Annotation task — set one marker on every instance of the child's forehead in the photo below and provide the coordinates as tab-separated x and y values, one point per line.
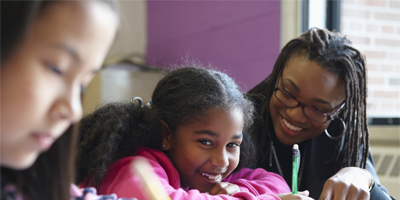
209	115
217	120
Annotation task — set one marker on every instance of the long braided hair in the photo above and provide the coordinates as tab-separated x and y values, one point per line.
334	53
183	96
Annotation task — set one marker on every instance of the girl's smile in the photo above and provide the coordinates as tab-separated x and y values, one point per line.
211	177
216	177
207	151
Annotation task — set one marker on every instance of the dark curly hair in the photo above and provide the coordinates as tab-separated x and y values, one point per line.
183	96
333	52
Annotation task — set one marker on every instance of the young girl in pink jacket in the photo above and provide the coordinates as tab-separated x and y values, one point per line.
194	134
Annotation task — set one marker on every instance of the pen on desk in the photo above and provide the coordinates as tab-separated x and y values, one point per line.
295	167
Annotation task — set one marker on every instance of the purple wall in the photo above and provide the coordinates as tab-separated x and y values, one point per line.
238	37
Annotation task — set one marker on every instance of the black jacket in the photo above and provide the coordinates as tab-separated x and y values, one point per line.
314	164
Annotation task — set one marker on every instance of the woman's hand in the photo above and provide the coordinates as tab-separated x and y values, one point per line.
298	196
348	183
224	188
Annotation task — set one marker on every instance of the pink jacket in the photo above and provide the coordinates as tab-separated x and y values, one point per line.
254	184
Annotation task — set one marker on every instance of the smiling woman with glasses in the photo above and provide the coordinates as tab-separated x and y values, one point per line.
308	111
316	97
311	112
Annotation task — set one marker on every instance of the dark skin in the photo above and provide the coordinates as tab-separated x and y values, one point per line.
210	145
314	86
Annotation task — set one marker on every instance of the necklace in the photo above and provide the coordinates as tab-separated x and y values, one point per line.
272	153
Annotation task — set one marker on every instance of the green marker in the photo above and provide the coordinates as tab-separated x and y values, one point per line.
295	167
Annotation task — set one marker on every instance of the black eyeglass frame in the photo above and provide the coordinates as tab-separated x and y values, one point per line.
328	117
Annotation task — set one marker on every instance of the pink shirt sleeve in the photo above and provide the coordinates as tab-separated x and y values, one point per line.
127	185
258	181
254	184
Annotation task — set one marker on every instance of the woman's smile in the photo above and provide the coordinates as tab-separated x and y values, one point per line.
289	129
290	126
307	82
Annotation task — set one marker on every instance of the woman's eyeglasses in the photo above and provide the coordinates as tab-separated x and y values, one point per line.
310	112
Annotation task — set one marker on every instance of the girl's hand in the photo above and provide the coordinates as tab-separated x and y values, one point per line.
348	183
298	196
224	188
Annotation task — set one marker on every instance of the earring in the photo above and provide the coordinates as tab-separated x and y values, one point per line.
341	135
163	145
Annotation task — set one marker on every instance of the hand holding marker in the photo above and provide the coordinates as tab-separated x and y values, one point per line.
295	167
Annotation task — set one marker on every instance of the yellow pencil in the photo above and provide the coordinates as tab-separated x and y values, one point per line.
154	190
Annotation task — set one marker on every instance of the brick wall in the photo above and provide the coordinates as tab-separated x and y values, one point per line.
374	28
